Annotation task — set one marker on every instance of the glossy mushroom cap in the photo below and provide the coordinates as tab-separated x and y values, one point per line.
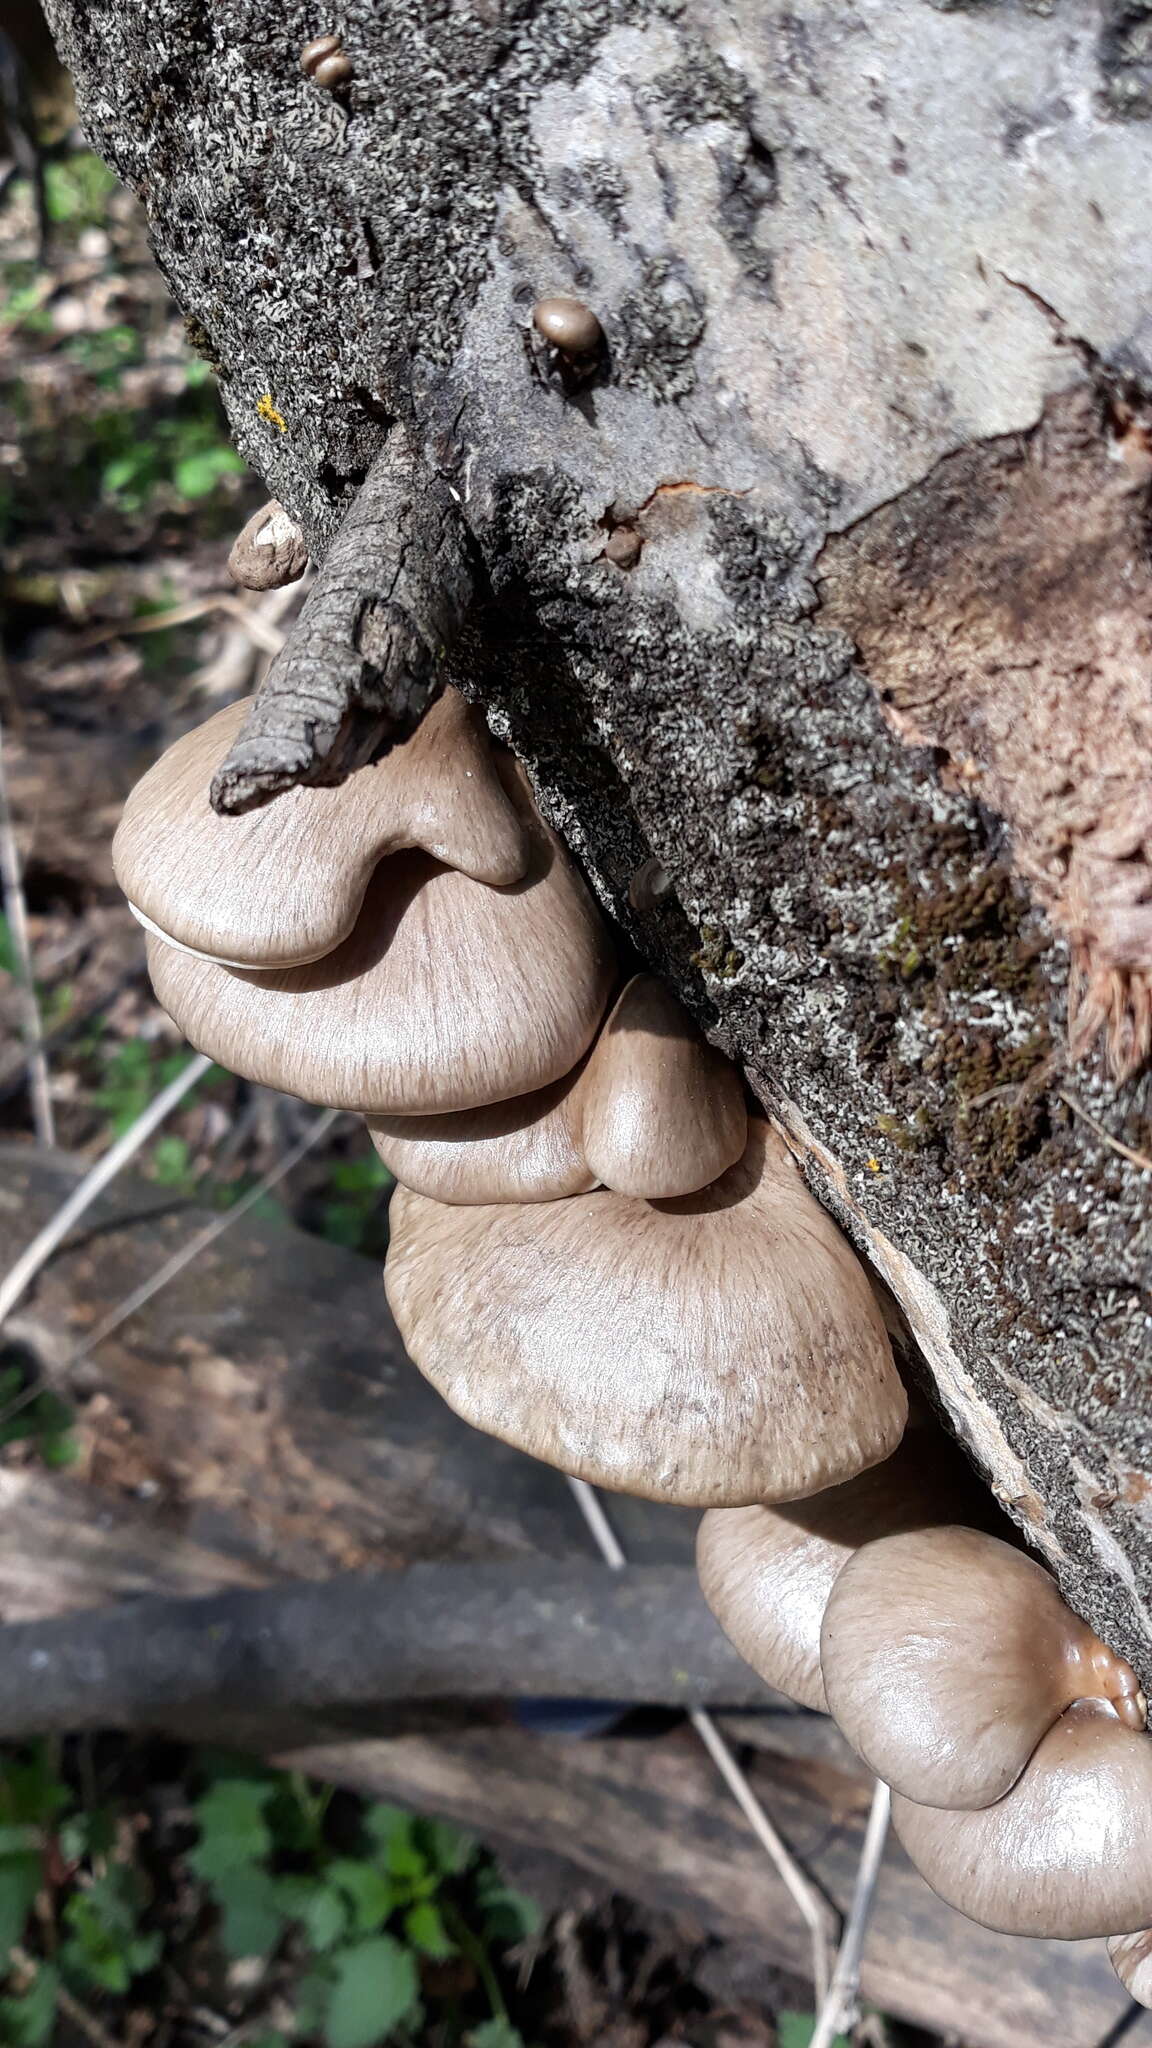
525	1150
655	1111
1067	1853
447	993
1131	1957
767	1573
946	1657
282	885
717	1349
568	324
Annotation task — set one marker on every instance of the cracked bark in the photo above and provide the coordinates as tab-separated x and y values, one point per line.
838	253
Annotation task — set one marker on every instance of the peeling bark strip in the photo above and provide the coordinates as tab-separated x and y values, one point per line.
366	656
1003	610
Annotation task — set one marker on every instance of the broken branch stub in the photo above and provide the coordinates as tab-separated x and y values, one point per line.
364	660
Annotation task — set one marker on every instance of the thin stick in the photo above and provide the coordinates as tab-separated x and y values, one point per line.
1137	1158
36	1255
267	637
15	910
804	1894
203	1238
839	2009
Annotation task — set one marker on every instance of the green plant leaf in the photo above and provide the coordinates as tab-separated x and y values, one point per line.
494	2034
369	1894
795	2030
425	1930
197	475
507	1915
251	1918
317	1905
20	1877
374	1987
28	2021
233	1827
30	1792
449	1849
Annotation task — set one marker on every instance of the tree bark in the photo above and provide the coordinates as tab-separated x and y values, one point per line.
874	688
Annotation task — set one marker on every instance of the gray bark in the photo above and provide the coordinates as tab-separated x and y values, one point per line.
864	267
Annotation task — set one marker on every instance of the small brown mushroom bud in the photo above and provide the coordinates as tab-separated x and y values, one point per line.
445	994
320	51
1131	1957
282	885
333	72
569	325
268	551
947	1656
714	1350
1067	1853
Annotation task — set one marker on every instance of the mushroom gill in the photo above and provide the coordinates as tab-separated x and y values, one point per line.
948	1654
716	1349
282	885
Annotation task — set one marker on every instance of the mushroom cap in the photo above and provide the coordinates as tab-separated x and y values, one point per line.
445	994
282	885
269	550
713	1350
1131	1957
661	1111
1067	1853
947	1655
767	1573
525	1150
654	1111
568	324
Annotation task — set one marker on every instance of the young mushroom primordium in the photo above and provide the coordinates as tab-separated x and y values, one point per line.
947	1655
283	884
653	1111
446	993
714	1349
269	551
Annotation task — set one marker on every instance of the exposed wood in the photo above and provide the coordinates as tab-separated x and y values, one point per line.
366	655
521	1630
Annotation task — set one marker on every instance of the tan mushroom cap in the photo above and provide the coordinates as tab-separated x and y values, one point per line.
947	1655
282	885
447	993
525	1150
269	550
767	1573
1131	1957
1067	1853
717	1349
655	1111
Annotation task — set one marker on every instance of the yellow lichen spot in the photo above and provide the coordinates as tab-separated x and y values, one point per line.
267	411
874	1165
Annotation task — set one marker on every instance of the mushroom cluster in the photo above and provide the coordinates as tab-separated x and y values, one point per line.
1012	1737
596	1252
601	1255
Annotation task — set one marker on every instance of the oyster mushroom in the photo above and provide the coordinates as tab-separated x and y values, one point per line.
1067	1853
445	994
282	885
654	1111
712	1350
1131	1957
947	1655
767	1572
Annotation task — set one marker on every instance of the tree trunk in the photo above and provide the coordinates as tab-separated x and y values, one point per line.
824	585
